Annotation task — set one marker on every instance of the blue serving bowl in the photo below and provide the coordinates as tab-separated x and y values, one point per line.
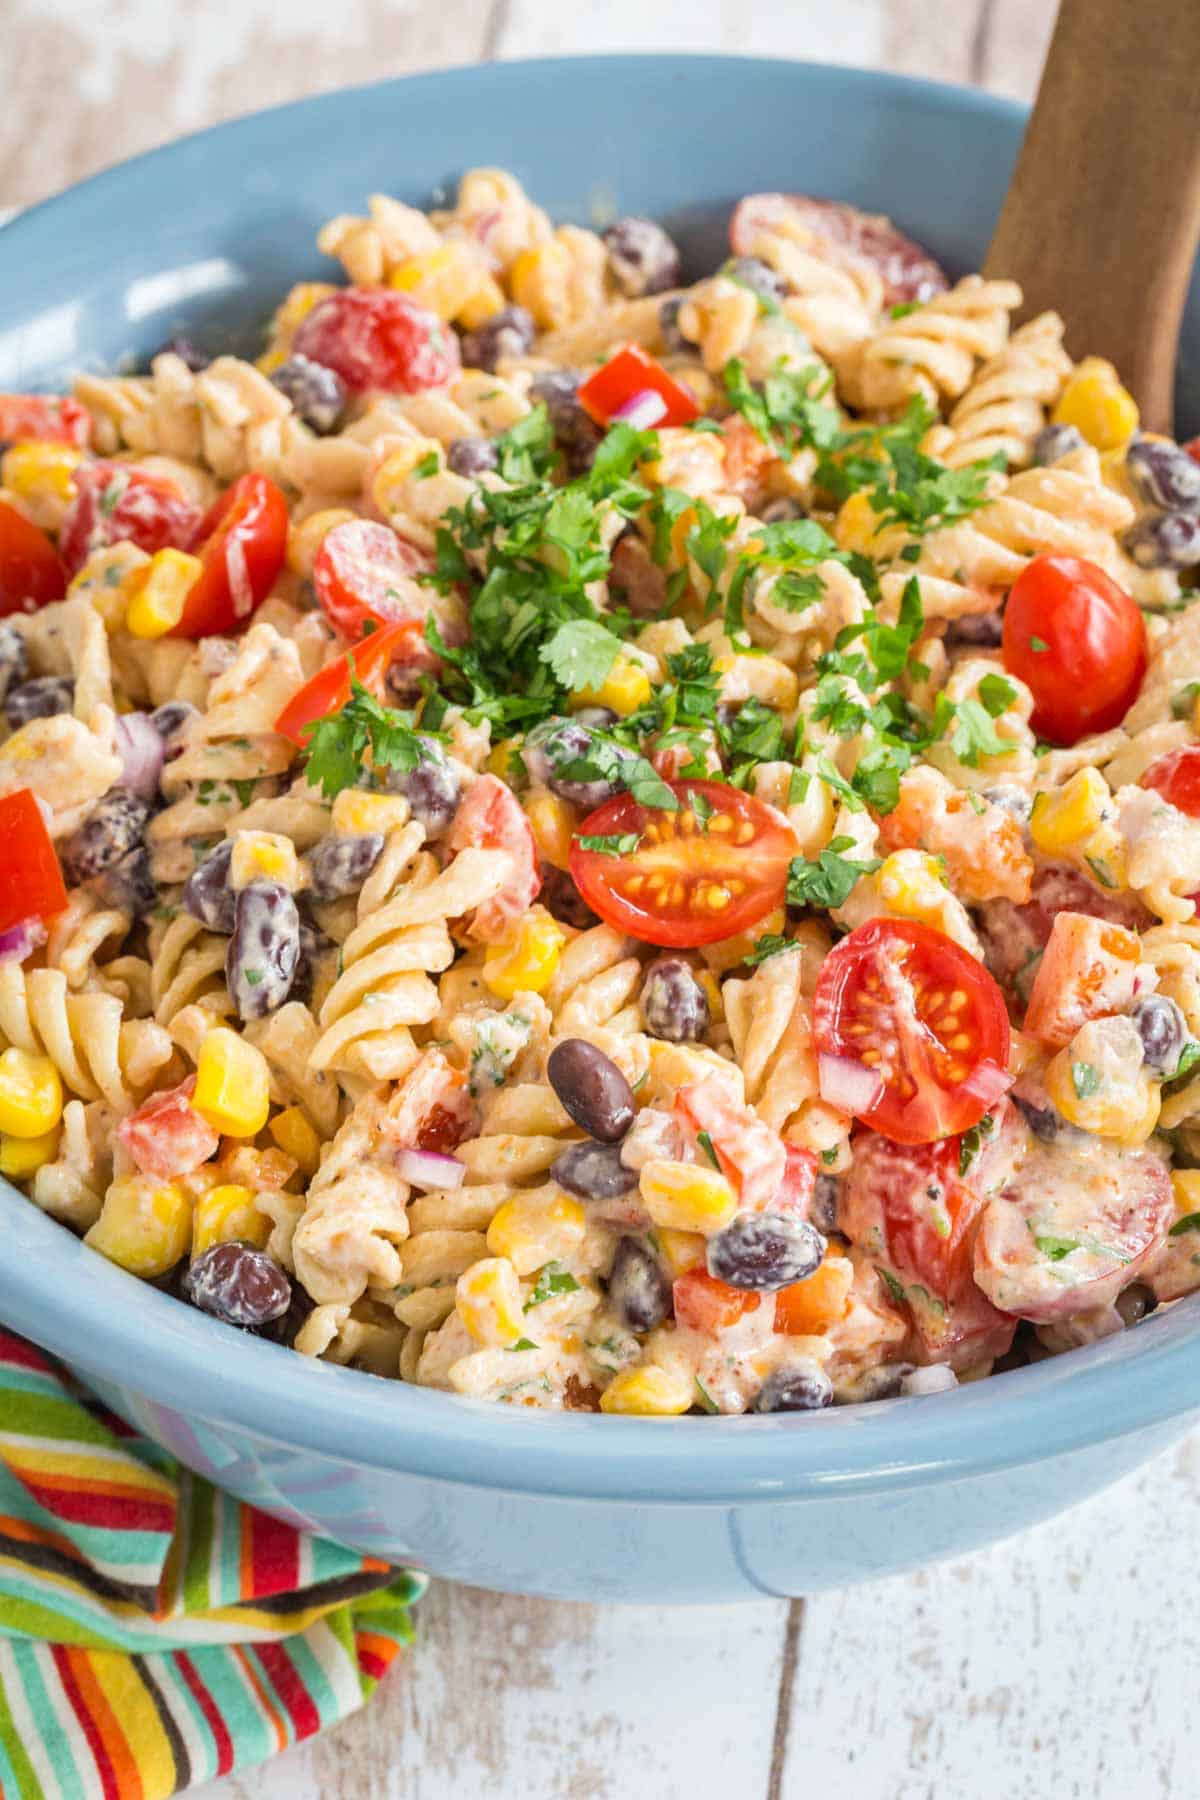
204	236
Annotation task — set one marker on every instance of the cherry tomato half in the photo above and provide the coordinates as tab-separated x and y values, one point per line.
907	1002
364	573
1176	777
241	542
329	689
688	881
31	883
839	233
377	338
31	571
44	419
1078	642
118	501
490	818
630	378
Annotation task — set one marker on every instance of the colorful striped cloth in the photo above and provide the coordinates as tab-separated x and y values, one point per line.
155	1632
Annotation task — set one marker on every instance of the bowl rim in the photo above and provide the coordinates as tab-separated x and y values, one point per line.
197	1369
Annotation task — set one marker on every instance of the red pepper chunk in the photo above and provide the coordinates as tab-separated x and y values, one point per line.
31	883
615	392
329	689
31	570
241	542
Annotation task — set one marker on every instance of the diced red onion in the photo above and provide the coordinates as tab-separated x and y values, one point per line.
430	1168
645	409
987	1083
847	1085
19	940
141	751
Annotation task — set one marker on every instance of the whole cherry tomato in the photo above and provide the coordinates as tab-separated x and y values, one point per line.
31	571
1078	642
377	338
241	542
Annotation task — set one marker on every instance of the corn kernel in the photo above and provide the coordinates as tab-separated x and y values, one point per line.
306	538
227	1212
686	1196
263	856
553	824
396	470
540	282
487	1298
712	993
297	1138
532	1229
527	960
1068	818
158	591
500	759
357	812
1125	1111
269	361
145	1226
233	1083
31	1094
443	279
648	1392
1186	1185
21	1157
911	885
856	522
37	471
487	300
625	690
1097	405
298	302
680	1250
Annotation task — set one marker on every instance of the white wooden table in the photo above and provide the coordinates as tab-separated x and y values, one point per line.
1060	1665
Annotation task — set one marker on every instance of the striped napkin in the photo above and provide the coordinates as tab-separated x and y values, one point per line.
155	1632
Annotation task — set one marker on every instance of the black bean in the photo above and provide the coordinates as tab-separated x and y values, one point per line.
471	456
264	949
674	1005
238	1283
186	351
14	657
563	900
782	511
668	324
1162	1029
983	629
109	832
432	789
759	277
804	1388
1135	1302
42	698
171	722
593	1171
1164	475
129	885
641	256
1168	541
592	1089
576	435
1054	442
317	394
827	1191
340	865
638	1290
1040	1117
140	747
284	1329
207	894
554	748
764	1251
313	944
507	333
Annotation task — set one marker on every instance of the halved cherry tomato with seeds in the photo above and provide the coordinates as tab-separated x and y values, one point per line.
117	502
909	1004
1078	642
491	818
837	232
377	338
713	868
632	386
31	882
705	1304
31	571
1176	777
364	573
44	419
329	689
241	542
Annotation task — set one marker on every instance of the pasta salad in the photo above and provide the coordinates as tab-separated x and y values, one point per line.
605	843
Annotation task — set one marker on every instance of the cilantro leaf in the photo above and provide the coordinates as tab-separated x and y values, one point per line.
971	1142
1085	1079
623	844
772	943
336	746
581	653
828	881
1055	1248
552	1279
788	410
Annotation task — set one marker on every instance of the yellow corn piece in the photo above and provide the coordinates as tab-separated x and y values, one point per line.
729	952
553	824
680	1250
396	470
686	1196
145	1226
527	960
225	1213
269	361
1126	1111
487	1298
911	885
500	759
157	592
712	990
21	1157
649	1392
444	280
532	1229
1186	1183
233	1083
263	856
36	471
540	280
31	1094
1097	405
855	524
298	302
356	812
626	688
1069	818
297	1138
306	538
487	300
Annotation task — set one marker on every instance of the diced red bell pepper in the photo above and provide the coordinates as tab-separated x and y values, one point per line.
31	571
44	419
31	882
616	388
706	1304
329	689
241	542
166	1136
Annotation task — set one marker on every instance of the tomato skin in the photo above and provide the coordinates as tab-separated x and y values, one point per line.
1193	448
364	573
118	501
491	818
31	571
702	1303
845	235
31	881
44	419
627	373
241	542
1176	777
377	338
1087	676
329	689
166	1136
869	998
754	853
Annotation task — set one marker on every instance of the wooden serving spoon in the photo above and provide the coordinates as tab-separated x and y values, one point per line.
1102	219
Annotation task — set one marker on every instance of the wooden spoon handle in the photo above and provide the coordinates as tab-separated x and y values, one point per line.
1102	219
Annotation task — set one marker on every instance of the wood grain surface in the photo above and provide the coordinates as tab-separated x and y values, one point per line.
1059	1666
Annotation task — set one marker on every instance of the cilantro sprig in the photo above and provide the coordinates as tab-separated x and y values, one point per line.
336	746
829	881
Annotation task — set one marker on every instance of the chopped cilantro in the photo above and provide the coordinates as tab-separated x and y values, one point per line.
581	653
770	944
623	844
1054	1248
1038	645
705	1399
427	466
828	881
894	1287
788	410
522	1343
1189	1222
971	1142
1101	871
997	695
552	1279
706	1144
337	744
1189	1056
1085	1079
